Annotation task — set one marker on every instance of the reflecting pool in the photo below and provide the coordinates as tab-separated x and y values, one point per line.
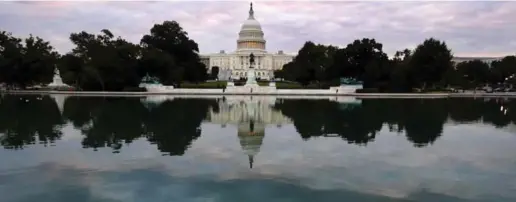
232	149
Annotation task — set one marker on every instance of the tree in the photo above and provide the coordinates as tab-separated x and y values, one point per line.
106	62
279	73
503	70
10	57
170	38
310	64
162	65
430	61
71	68
363	60
399	76
214	72
28	63
475	72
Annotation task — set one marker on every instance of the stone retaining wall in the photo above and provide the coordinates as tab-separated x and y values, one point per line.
279	92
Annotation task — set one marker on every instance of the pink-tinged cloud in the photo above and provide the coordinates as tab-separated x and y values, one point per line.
469	28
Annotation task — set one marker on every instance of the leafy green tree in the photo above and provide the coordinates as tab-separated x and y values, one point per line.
453	78
10	57
364	60
214	72
107	63
399	80
170	38
162	65
24	64
279	73
310	64
503	70
72	69
475	72
430	61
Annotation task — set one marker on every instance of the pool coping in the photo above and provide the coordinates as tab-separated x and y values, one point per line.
200	93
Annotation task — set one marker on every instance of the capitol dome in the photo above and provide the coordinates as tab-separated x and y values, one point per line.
251	24
250	37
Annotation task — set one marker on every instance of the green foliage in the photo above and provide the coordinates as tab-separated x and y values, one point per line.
171	55
214	72
310	64
503	70
476	71
102	62
26	62
211	85
430	61
363	60
429	66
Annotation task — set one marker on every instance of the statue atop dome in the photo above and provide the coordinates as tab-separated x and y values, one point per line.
251	11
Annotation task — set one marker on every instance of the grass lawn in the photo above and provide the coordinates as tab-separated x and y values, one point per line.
210	84
222	84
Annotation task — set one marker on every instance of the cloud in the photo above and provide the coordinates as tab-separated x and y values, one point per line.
469	28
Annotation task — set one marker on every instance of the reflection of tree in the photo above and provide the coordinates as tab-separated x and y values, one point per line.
24	117
497	112
176	123
106	121
465	109
493	113
110	122
324	118
421	120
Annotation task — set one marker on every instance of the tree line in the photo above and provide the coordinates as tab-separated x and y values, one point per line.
174	124
428	67
103	61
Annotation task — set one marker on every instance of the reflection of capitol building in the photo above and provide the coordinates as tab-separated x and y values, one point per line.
250	115
243	109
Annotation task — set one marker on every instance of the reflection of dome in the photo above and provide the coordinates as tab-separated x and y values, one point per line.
251	137
243	109
250	37
155	100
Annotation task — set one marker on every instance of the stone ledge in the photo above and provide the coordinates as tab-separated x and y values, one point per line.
279	92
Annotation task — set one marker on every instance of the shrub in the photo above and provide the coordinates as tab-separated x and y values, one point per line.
134	89
367	90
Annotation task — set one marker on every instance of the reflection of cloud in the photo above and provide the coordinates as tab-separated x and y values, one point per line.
150	184
467	162
390	165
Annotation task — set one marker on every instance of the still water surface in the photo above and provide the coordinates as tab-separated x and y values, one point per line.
57	148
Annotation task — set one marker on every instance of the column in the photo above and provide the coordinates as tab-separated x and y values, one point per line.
259	62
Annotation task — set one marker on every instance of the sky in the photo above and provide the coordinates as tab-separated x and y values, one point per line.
470	28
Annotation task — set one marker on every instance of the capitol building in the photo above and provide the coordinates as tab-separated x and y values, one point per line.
250	40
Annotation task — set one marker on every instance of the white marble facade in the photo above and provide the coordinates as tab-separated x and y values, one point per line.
250	40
